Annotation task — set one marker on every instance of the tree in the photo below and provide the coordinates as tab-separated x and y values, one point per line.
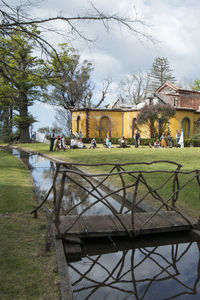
70	79
196	85
105	86
18	20
152	114
21	80
63	119
160	72
47	130
134	88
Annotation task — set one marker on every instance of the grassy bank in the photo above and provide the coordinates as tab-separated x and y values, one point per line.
189	199
26	271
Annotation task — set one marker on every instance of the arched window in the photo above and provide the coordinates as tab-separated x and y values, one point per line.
185	124
104	127
78	124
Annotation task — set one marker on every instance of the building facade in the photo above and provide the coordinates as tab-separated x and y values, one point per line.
117	121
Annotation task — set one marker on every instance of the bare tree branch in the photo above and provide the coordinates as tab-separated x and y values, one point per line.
106	84
17	17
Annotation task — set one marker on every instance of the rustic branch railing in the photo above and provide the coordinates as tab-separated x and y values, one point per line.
124	277
133	186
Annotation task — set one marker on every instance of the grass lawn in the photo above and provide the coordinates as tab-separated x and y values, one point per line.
189	198
188	157
26	271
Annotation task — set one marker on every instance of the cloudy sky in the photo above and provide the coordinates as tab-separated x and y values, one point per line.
173	25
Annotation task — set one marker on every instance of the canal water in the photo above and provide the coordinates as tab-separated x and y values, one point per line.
153	269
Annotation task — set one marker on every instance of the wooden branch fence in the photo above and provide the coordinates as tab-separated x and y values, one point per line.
134	181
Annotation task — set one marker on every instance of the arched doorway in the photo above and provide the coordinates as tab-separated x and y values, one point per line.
185	124
104	127
78	121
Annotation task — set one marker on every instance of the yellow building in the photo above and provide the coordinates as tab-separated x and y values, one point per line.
117	121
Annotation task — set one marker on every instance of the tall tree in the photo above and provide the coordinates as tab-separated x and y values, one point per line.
69	79
159	73
21	77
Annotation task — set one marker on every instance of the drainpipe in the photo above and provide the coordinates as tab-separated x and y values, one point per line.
87	123
122	123
71	122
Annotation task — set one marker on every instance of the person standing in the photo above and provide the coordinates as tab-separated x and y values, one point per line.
62	142
169	138
137	139
80	135
163	142
177	138
181	140
52	138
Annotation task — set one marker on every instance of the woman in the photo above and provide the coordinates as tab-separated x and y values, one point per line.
163	142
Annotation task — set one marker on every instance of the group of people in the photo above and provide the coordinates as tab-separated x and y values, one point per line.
76	142
166	141
57	142
136	142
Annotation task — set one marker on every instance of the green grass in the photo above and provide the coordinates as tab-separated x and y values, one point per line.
16	192
188	157
189	197
26	271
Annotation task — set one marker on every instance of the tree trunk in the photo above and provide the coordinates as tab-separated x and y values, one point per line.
6	129
152	132
24	136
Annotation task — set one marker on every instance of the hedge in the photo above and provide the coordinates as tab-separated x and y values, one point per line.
144	142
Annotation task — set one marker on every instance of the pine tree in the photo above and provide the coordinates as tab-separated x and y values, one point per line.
20	83
160	72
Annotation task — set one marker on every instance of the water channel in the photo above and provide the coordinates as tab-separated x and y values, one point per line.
154	268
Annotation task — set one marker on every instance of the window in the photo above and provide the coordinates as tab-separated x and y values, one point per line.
175	101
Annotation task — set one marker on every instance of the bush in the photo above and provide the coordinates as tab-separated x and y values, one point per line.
145	142
192	142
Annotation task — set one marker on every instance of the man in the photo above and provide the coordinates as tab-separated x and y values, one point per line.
52	138
137	139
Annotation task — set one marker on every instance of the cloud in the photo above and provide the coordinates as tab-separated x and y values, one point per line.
172	23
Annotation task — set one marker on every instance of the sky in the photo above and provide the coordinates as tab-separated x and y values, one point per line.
173	25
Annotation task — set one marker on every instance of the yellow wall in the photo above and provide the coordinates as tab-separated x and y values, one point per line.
128	119
115	119
75	115
121	122
175	122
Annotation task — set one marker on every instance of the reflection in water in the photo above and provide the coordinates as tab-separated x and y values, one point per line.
164	272
43	171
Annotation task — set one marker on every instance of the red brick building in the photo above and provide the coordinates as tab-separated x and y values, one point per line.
187	103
